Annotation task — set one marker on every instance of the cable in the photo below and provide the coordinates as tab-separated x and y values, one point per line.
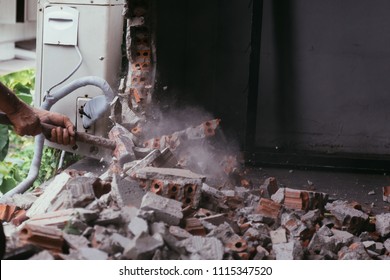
71	74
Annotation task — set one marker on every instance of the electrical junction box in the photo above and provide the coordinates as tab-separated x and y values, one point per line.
96	28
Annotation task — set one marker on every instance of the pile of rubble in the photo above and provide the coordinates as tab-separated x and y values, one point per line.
153	208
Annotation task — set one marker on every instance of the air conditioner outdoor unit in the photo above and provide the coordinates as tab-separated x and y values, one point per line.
83	35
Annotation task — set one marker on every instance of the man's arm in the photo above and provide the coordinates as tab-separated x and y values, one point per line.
21	115
27	120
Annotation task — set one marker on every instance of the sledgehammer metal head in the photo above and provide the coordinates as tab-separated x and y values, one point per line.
123	151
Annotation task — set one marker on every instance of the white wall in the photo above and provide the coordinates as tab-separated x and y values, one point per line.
11	31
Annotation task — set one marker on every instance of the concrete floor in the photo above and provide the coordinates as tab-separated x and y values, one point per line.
339	185
363	188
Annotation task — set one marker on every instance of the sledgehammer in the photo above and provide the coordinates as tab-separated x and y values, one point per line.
120	141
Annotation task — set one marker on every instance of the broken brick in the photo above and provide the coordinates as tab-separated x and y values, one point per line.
45	237
179	184
386	194
229	238
7	212
269	209
295	227
269	187
194	227
304	200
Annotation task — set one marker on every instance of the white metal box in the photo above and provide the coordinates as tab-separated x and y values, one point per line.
96	27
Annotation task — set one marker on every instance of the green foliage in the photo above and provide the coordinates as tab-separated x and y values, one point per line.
21	83
4	141
16	152
50	159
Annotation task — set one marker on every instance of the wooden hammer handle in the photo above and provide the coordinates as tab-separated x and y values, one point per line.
80	136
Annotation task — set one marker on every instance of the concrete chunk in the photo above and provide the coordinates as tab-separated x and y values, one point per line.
288	251
62	218
311	217
355	251
167	159
76	241
138	226
261	253
42	204
382	224
387	245
322	241
92	254
143	246
269	187
81	191
179	233
206	248
295	226
231	240
43	255
278	236
126	192
278	196
23	201
353	219
109	216
118	243
169	174
342	238
131	167
165	209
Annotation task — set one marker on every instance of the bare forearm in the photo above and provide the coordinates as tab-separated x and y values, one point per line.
9	102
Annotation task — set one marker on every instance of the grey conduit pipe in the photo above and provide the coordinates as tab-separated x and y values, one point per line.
49	101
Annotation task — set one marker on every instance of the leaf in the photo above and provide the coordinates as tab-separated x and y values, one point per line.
26	98
4	141
8	184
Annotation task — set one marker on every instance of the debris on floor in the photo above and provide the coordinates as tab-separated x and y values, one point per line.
142	210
